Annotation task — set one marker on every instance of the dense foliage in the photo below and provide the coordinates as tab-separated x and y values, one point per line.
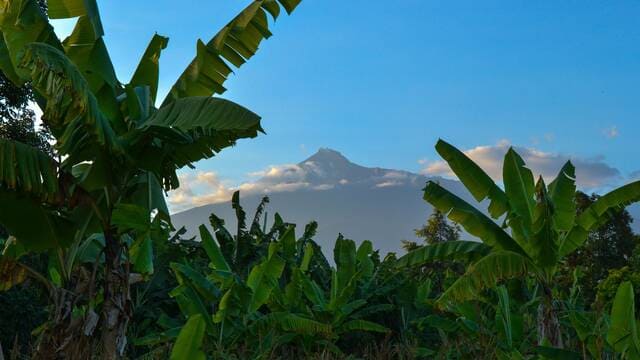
91	265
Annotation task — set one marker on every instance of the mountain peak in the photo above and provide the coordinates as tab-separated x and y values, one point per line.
326	155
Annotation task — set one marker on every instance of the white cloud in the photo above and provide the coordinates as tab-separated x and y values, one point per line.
611	132
396	175
389	183
202	188
591	173
197	189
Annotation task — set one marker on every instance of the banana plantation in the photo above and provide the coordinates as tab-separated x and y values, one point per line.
91	265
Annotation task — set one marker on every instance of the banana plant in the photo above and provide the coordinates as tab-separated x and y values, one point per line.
537	227
345	307
278	304
623	332
235	311
255	249
117	151
251	243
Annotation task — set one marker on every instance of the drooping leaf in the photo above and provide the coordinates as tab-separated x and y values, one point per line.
486	273
450	250
27	170
189	130
72	112
189	342
235	43
479	184
471	219
22	23
598	211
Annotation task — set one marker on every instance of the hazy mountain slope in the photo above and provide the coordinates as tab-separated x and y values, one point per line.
380	205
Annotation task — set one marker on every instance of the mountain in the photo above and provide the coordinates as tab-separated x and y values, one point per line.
381	205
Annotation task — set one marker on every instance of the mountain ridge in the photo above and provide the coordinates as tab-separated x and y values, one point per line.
363	203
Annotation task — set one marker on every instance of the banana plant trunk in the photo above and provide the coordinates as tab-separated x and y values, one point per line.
548	322
63	337
116	310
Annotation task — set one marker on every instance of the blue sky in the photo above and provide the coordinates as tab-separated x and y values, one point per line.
381	81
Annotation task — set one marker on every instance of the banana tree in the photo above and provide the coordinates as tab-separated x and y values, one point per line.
117	151
276	305
538	228
235	312
251	243
623	333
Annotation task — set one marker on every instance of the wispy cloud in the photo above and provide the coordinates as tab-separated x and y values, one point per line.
611	132
591	173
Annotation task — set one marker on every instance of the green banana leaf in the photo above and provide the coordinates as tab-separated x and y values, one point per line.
262	279
479	184
189	342
544	237
562	192
22	23
519	188
148	71
213	251
484	274
450	250
72	111
190	129
65	9
235	43
623	331
598	212
471	219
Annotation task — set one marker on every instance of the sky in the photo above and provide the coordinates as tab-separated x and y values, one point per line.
381	81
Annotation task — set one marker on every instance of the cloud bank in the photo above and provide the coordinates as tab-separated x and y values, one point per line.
203	188
591	173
